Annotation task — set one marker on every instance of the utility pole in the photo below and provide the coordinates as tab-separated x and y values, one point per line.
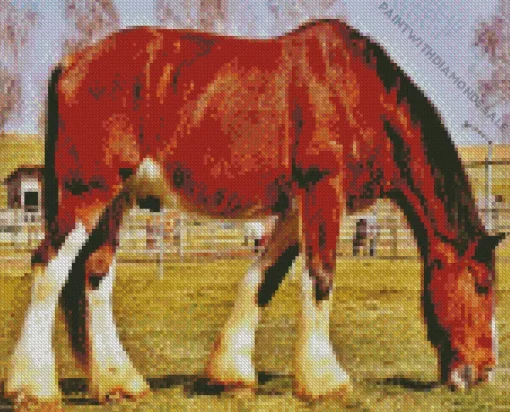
488	186
488	175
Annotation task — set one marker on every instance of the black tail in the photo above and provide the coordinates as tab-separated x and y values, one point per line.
73	294
50	178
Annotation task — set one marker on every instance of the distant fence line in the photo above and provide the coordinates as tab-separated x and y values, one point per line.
148	235
171	235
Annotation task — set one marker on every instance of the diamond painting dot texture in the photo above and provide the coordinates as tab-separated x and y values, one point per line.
256	205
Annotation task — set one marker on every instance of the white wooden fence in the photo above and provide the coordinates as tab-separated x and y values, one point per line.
172	235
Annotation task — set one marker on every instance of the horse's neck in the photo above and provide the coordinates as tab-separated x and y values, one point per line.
435	196
421	216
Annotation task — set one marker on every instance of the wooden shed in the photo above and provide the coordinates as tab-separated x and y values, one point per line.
24	188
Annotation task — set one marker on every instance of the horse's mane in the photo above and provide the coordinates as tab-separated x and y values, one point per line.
451	181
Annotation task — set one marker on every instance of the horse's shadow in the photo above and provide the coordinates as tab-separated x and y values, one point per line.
75	390
268	384
413	384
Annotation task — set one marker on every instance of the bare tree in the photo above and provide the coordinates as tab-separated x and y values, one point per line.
209	15
10	94
212	15
91	19
176	13
290	13
493	39
15	29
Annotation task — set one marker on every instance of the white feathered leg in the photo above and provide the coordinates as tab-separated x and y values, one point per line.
32	372
231	361
111	370
317	371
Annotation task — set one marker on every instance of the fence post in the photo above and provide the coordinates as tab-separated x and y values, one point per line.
161	242
394	237
488	188
182	235
375	230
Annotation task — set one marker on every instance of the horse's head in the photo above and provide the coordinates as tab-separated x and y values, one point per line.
459	305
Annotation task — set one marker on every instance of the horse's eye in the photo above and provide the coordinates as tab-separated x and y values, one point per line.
482	287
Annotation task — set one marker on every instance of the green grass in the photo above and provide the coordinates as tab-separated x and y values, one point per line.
168	327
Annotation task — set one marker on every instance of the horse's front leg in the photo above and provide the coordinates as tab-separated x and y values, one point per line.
32	373
231	361
317	371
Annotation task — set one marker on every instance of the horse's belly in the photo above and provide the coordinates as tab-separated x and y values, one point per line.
239	195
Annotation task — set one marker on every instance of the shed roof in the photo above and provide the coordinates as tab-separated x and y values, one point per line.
23	169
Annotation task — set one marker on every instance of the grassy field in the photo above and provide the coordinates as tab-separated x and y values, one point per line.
169	325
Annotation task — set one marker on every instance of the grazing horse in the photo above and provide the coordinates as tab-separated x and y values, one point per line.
305	127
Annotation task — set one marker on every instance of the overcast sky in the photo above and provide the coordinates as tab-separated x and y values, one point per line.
447	26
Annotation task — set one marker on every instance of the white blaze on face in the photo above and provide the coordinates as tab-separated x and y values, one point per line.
495	345
495	337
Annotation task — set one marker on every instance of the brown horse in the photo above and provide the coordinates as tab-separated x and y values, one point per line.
305	127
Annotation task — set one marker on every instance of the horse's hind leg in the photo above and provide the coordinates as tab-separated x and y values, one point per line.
32	371
91	324
231	361
317	371
111	371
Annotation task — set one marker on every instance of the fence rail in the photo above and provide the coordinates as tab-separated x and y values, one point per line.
171	235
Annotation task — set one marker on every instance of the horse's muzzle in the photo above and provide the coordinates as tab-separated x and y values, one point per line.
464	377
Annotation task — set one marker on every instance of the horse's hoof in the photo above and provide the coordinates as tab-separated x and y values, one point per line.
316	383
117	395
242	392
114	388
29	383
317	371
25	402
490	375
231	371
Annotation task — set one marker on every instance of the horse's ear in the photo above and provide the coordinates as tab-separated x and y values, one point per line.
486	245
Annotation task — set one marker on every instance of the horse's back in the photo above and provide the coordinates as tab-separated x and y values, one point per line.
215	105
228	110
